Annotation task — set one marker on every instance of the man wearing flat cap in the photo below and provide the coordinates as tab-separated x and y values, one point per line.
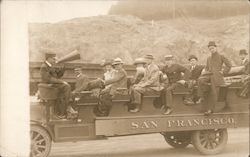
150	83
116	82
49	74
174	73
214	67
244	60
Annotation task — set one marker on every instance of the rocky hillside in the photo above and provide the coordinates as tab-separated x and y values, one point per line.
128	37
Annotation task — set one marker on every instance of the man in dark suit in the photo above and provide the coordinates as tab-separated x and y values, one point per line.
51	75
150	83
214	74
246	80
244	60
195	70
174	73
116	82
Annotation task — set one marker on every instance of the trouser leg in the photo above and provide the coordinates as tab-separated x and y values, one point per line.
94	84
169	98
105	103
169	95
136	95
203	86
65	94
189	98
163	98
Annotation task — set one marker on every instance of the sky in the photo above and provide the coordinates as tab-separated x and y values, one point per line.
58	10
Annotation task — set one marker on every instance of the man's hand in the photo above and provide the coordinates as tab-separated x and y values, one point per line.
181	82
64	82
138	85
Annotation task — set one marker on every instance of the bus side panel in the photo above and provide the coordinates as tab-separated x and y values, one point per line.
139	125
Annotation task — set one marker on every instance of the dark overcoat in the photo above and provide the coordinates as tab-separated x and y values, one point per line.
214	65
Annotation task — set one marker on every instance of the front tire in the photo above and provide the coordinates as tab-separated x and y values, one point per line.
210	142
178	139
40	142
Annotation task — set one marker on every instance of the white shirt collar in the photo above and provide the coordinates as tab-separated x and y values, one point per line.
244	60
50	65
78	75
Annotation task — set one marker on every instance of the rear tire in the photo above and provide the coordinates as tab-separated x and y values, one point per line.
210	142
178	139
40	141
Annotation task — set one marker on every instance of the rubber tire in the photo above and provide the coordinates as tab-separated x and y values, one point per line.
175	139
43	134
196	141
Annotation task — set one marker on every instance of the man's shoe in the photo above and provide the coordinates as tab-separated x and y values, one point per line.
208	112
163	107
168	111
200	101
134	110
59	117
71	110
188	102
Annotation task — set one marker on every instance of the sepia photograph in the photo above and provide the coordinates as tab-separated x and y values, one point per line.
125	78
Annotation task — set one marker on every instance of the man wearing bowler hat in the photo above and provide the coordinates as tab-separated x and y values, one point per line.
117	81
214	75
51	75
150	83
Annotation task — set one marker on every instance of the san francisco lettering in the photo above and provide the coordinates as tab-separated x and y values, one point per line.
200	122
144	125
152	124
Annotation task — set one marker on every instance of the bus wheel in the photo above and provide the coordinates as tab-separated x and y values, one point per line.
40	142
210	142
178	139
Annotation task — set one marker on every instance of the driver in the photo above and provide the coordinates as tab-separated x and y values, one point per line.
50	74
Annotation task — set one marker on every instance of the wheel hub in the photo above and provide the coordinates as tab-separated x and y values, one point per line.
211	136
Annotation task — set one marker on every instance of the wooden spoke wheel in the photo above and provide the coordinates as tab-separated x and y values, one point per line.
210	142
178	139
40	142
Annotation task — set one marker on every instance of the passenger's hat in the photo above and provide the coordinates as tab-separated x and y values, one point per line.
140	61
168	57
117	61
211	43
149	56
192	57
107	62
243	52
50	55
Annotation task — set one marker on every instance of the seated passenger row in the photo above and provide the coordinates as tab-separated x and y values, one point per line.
149	79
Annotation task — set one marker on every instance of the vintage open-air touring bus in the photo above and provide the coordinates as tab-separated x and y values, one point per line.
186	125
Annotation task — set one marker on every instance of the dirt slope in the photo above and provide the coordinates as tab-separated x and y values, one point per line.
128	37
